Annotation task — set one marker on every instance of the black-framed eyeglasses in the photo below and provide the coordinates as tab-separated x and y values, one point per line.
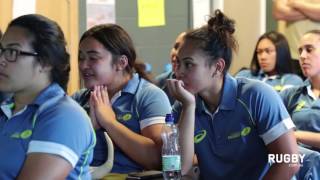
11	54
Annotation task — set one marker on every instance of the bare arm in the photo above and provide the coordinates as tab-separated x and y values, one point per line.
186	127
143	148
40	166
308	138
283	11
285	144
310	8
186	123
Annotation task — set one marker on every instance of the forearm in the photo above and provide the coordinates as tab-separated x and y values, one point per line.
283	146
282	11
141	149
310	10
186	127
308	138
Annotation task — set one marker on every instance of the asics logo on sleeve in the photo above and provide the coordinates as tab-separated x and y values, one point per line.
244	132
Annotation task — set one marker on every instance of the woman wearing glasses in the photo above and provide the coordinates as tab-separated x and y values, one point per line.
44	133
271	62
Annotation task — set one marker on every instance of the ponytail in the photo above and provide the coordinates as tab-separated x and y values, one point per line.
140	68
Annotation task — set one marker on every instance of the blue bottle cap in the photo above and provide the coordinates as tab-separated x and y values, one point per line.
169	118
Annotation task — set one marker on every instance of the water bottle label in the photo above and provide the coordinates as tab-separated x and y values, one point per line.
171	163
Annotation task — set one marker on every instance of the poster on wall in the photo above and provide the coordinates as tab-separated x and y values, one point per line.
22	7
100	12
151	13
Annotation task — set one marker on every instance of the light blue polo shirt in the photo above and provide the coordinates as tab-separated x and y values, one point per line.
138	105
278	82
304	107
231	142
62	129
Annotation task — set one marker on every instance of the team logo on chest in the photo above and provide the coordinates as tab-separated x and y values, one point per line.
200	135
124	117
23	135
244	132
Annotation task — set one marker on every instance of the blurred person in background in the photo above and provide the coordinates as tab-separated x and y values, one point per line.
271	63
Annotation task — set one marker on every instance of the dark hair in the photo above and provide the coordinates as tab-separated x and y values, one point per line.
49	42
283	57
0	33
116	40
216	38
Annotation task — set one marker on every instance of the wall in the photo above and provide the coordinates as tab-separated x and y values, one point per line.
250	24
5	13
153	44
66	16
272	24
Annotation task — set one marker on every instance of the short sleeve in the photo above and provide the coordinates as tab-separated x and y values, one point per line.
270	114
153	106
63	130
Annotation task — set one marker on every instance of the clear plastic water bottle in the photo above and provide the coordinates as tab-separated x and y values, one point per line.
171	158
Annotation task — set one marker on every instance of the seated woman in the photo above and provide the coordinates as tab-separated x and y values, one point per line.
44	133
230	121
271	62
303	102
122	103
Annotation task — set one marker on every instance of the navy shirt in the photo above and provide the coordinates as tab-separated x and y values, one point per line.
230	143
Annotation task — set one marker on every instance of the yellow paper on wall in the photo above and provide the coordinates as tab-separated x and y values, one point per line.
151	13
